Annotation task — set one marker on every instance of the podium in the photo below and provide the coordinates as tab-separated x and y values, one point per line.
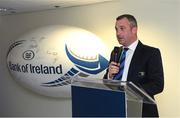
107	98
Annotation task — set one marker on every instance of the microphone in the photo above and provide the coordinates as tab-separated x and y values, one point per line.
116	54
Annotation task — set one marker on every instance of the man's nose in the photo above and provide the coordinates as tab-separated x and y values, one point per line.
118	32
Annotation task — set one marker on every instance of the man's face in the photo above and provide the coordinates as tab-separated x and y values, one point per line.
124	32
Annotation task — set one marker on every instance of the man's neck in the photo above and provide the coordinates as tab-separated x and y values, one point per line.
131	42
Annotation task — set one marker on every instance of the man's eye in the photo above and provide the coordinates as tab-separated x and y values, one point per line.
122	28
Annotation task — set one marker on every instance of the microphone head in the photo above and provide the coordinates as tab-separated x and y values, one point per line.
116	54
116	49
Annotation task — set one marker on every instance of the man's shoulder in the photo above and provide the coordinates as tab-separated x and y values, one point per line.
148	48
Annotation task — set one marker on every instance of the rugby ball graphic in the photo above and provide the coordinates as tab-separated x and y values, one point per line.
46	60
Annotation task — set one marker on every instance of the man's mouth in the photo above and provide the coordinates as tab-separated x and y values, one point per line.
120	38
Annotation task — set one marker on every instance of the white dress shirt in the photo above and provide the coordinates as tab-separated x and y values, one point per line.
129	55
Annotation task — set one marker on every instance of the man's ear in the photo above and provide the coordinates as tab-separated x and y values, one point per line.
134	30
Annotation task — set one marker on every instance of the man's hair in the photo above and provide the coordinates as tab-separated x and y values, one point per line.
130	18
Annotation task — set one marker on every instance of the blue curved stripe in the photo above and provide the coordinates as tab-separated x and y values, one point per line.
103	65
14	45
88	67
81	62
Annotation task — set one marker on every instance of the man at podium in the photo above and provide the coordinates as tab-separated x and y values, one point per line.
136	62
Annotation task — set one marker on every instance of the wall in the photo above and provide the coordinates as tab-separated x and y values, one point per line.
158	26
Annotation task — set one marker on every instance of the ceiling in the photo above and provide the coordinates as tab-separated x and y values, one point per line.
8	7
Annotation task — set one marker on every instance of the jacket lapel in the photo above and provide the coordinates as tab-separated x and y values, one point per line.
134	62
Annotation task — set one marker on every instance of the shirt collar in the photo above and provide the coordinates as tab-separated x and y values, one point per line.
133	45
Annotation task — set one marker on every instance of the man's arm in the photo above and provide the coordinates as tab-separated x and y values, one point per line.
154	81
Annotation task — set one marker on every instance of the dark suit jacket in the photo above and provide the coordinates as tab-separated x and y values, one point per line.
146	71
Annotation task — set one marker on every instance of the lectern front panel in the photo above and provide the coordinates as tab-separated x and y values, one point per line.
92	102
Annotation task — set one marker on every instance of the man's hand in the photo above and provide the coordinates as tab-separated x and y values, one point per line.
113	69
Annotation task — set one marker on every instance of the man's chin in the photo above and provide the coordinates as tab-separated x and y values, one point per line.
121	41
